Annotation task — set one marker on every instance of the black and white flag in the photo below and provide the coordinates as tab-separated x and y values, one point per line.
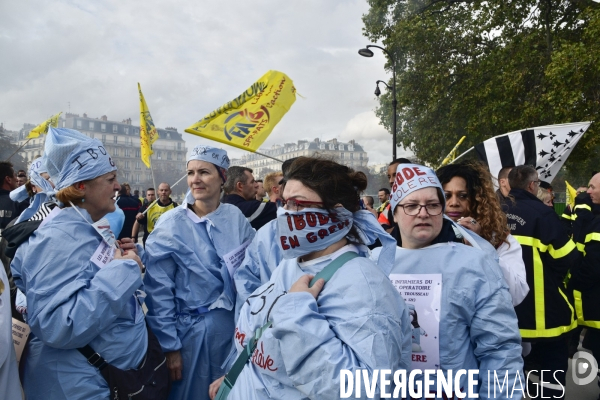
545	147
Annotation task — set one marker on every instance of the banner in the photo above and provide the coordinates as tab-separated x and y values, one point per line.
246	121
545	147
43	127
148	132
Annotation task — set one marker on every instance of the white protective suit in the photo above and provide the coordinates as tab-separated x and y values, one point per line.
358	322
191	296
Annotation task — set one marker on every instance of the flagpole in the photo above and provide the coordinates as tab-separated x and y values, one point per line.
151	204
462	154
264	155
16	151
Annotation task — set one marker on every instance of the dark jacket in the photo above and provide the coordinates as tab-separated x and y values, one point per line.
548	253
130	206
250	208
8	208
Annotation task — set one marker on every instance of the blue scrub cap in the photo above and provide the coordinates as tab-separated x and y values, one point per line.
72	157
209	154
410	178
36	168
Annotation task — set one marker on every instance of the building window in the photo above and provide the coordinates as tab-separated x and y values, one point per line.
115	128
169	156
79	124
91	135
64	123
179	157
136	130
127	153
331	147
137	153
91	125
159	155
148	177
137	178
128	141
342	155
350	147
322	146
178	145
126	164
115	152
103	138
126	131
352	155
115	139
126	176
103	127
341	147
138	165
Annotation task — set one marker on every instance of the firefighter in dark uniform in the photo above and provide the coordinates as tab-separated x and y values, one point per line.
546	316
585	277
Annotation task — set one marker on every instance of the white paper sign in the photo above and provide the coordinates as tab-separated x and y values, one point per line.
103	254
234	258
20	333
422	294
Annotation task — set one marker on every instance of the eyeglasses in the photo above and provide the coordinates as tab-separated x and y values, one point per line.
414	209
537	182
297	205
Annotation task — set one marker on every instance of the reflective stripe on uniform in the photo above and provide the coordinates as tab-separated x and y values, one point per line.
538	288
536	243
583	206
579	308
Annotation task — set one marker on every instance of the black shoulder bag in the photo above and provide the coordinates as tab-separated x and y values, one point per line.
149	382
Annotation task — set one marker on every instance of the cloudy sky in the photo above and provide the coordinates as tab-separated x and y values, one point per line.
190	58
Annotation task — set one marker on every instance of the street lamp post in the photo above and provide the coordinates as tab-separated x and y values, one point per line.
366	52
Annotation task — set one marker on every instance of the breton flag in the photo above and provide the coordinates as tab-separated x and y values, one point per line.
545	147
246	121
148	132
43	127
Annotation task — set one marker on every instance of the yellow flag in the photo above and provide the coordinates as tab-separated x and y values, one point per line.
148	132
452	155
43	127
571	194
247	120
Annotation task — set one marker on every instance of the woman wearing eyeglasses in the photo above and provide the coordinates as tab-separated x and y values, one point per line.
356	320
457	290
472	203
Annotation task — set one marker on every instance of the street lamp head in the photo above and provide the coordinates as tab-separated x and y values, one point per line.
365	52
377	91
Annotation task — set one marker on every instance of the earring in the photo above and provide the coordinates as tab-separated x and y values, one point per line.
83	200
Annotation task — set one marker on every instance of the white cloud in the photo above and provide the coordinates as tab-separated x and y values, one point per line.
190	58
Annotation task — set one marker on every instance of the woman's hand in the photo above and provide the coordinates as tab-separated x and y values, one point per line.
470	224
129	255
213	389
301	285
174	364
127	244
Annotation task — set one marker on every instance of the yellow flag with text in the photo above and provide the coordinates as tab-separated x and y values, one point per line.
148	132
247	120
571	193
43	127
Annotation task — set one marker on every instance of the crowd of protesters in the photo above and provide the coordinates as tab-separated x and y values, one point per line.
258	289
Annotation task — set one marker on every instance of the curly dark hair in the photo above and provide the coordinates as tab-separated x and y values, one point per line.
483	202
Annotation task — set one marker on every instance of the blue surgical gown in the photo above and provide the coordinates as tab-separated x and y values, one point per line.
191	297
478	324
261	258
72	302
359	321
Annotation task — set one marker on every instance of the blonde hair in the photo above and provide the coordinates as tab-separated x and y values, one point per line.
272	180
544	195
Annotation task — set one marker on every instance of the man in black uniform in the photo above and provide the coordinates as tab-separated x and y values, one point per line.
240	190
585	277
546	314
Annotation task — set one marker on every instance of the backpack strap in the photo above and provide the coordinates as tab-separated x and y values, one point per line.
327	272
